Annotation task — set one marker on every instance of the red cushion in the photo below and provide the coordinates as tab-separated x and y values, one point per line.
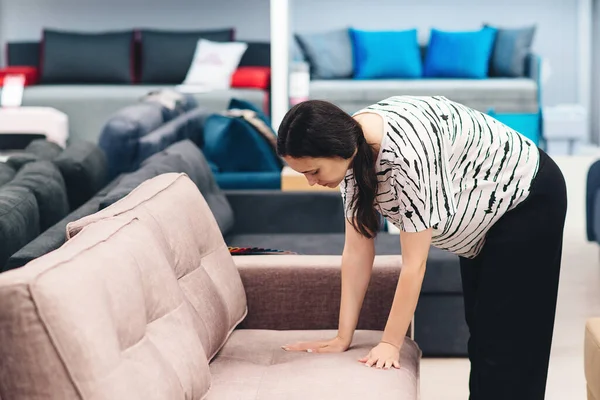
31	74
252	77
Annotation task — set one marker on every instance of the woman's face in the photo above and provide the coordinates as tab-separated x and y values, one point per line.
327	172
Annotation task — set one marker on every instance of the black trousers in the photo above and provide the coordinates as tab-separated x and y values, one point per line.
510	292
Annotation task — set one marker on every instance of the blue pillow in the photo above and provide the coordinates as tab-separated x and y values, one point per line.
459	54
386	54
233	145
328	53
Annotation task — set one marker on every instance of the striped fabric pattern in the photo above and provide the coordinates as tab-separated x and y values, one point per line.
445	166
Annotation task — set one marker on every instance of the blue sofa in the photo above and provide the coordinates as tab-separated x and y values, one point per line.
237	154
354	68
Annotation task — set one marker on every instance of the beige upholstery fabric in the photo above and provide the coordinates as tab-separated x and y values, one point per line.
592	357
252	366
270	282
172	205
101	318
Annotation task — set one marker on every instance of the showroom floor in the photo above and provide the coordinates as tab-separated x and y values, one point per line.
579	298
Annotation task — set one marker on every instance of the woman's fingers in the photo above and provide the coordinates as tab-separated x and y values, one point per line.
396	364
388	364
380	363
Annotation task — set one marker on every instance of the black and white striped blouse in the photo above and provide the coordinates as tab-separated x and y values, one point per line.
445	166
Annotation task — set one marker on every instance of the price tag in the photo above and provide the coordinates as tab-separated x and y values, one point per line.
12	91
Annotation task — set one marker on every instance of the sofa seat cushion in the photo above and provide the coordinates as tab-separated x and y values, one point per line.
504	95
443	269
253	366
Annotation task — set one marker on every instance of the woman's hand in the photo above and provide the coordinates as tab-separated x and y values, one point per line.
384	355
335	345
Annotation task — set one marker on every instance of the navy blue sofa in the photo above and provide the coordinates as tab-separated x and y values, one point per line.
237	154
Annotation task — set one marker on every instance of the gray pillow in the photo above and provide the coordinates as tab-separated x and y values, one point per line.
74	57
329	53
510	51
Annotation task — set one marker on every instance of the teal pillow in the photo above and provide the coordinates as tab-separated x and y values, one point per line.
232	144
510	51
386	54
459	54
329	53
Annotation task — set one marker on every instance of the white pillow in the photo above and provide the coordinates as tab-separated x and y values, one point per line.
214	63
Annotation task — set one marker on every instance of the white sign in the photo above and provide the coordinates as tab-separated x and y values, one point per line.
12	91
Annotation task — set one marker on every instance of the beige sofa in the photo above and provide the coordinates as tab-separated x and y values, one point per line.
592	358
145	302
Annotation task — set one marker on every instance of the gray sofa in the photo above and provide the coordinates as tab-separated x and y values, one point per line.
88	107
503	95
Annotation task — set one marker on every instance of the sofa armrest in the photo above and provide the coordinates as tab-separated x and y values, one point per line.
592	190
290	292
269	212
592	357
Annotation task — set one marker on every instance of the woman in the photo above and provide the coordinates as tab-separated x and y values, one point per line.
449	176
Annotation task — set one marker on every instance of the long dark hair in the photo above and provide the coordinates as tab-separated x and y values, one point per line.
319	129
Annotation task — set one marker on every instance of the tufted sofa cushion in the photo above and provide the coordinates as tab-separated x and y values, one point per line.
47	184
104	317
172	205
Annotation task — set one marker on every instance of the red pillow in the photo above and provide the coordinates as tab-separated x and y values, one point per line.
31	74
252	77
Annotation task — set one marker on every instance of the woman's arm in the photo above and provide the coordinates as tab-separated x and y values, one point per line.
415	249
357	265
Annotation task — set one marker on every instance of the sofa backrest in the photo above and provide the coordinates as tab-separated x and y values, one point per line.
84	168
189	125
20	222
172	204
7	173
102	318
121	133
134	305
46	182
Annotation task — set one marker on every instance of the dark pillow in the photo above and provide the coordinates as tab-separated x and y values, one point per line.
55	236
511	48
187	126
121	133
258	54
20	222
167	55
46	182
84	169
23	54
7	173
44	149
69	57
